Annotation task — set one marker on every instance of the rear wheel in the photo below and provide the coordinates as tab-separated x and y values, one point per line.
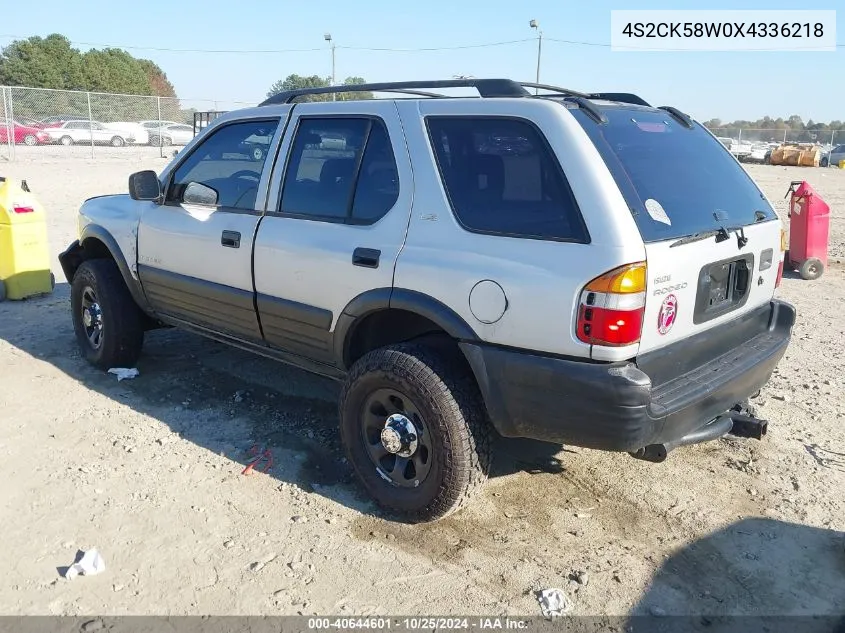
117	141
414	430
107	322
824	162
66	141
811	269
30	140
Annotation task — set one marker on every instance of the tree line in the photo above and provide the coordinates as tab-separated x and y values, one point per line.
52	62
769	129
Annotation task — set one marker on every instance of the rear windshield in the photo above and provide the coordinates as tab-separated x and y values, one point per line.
677	181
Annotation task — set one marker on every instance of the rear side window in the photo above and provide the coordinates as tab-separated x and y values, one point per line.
502	178
677	181
341	169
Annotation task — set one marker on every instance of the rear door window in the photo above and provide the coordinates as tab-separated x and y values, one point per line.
677	181
502	178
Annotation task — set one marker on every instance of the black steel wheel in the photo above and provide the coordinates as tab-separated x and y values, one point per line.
108	324
415	430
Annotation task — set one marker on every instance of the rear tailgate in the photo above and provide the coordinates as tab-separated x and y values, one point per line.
712	239
699	285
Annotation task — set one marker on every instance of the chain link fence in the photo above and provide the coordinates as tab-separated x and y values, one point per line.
38	122
759	135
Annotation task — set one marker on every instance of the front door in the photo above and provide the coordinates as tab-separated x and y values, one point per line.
336	220
195	250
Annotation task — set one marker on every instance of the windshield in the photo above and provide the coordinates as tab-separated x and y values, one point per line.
677	181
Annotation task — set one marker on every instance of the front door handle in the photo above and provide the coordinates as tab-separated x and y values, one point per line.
232	239
366	257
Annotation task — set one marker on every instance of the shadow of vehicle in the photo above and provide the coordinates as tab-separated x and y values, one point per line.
757	574
200	388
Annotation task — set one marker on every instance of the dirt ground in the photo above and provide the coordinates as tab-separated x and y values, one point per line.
149	472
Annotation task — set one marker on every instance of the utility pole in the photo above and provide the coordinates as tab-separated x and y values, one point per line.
536	25
328	38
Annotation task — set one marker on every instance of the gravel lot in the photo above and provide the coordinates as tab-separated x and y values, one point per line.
148	471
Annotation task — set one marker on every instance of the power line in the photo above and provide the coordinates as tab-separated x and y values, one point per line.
405	50
285	50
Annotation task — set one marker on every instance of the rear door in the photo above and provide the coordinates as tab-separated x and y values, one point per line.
335	222
712	239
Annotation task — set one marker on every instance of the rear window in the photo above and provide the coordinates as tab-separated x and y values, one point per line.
677	181
501	178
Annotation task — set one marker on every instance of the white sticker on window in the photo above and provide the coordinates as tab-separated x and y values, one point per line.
656	211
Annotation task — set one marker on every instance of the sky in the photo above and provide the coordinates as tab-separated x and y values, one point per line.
724	85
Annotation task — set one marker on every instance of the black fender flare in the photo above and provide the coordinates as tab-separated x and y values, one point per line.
379	299
75	254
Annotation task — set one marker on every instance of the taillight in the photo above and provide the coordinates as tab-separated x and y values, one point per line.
784	244
780	274
611	307
17	209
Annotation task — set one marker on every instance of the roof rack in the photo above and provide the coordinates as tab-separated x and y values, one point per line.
485	87
621	97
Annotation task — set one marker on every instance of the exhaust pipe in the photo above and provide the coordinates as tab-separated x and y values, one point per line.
658	452
734	423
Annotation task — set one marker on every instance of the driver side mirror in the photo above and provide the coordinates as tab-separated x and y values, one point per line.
144	185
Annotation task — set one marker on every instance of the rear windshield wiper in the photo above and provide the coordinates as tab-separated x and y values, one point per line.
721	234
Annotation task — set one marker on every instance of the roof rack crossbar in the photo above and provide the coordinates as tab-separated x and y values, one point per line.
485	87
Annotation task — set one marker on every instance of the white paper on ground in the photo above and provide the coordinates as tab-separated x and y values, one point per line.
123	372
553	602
90	564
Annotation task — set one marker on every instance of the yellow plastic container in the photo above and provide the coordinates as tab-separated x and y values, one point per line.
24	249
842	164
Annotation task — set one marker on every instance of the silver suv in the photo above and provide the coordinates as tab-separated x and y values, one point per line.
581	269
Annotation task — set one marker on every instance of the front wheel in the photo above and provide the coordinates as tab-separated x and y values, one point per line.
117	141
30	140
414	430
66	141
107	322
824	162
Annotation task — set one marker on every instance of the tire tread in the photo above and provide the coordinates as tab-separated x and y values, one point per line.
464	427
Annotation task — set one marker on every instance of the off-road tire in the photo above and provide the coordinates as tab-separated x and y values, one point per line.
123	321
444	392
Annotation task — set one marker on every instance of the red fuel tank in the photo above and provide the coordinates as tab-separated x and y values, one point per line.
809	227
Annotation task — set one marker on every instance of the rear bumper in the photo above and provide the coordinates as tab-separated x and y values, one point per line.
661	397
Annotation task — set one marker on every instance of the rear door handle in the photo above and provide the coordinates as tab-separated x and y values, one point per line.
232	239
366	257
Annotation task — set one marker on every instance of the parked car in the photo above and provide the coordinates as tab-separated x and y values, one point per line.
138	132
73	132
174	134
54	121
833	157
21	133
610	286
151	125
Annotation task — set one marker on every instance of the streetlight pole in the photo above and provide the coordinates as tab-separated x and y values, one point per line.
536	25
328	38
